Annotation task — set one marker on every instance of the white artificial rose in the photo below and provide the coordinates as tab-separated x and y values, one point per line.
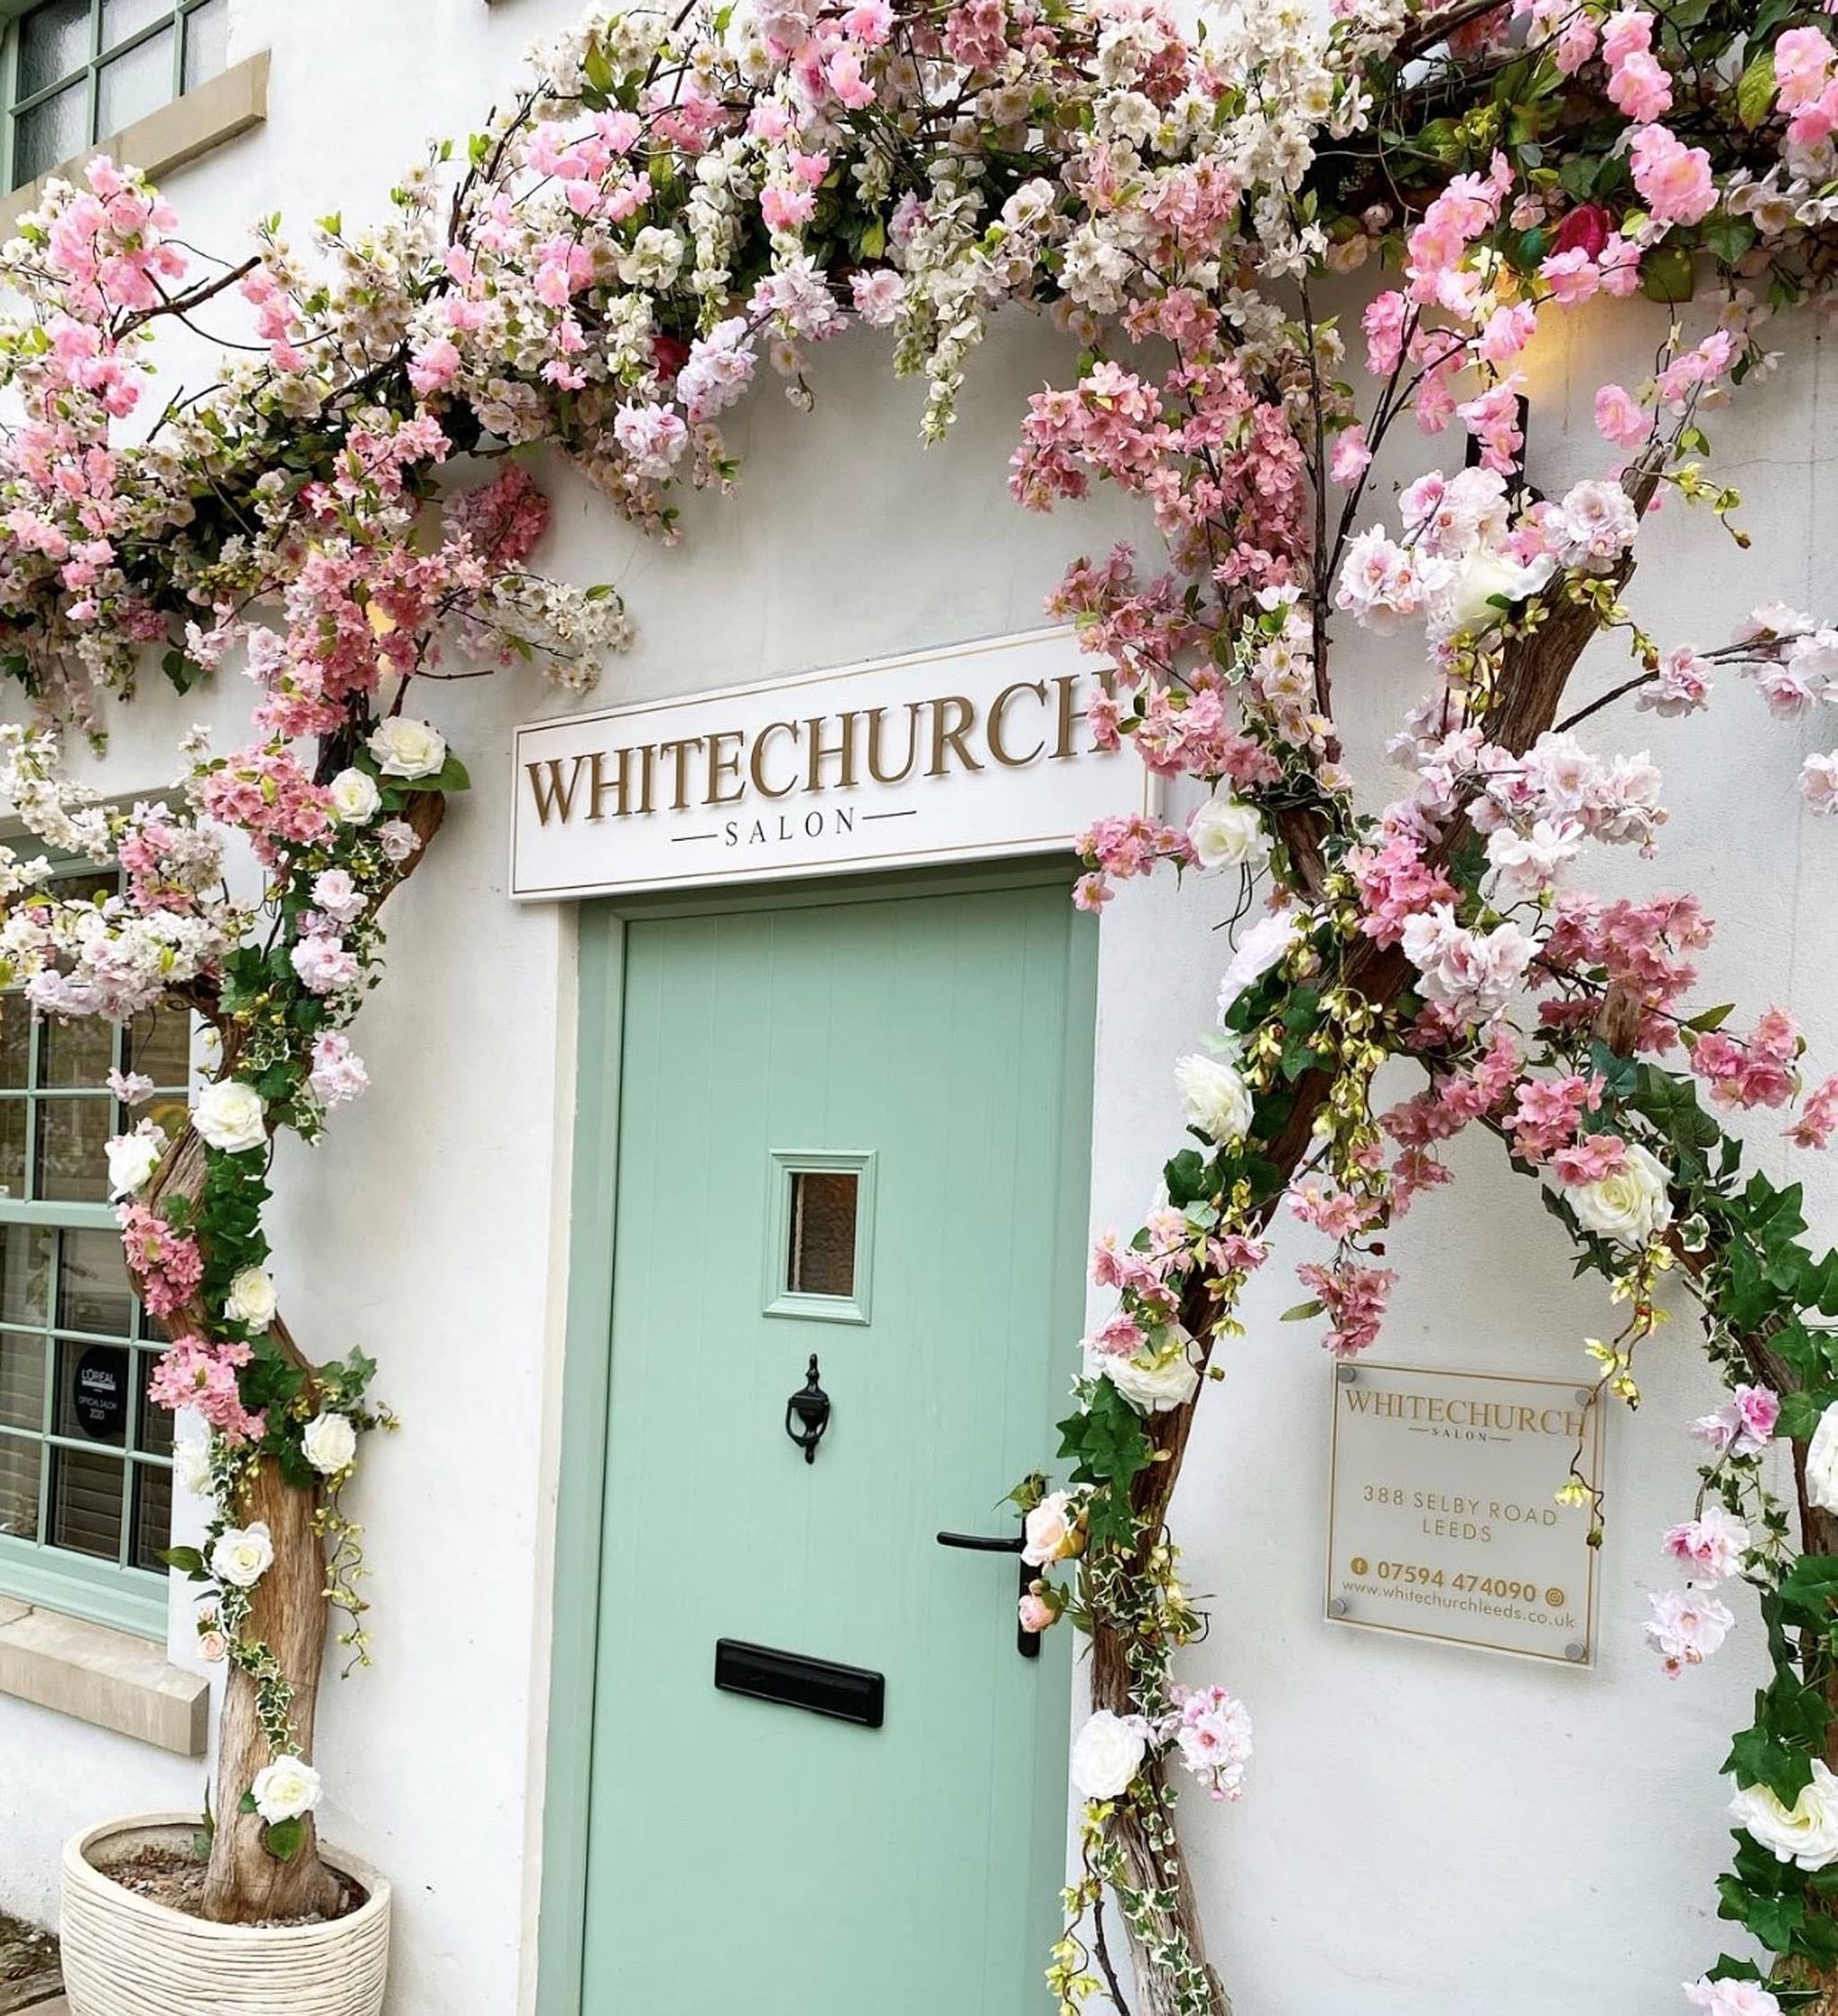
285	1789
1628	1204
1155	1382
1216	1099
252	1299
355	796
1486	573
1107	1753
1227	833
405	747
229	1115
132	1160
242	1554
1822	1462
1805	1833
1050	1532
191	1465
330	1444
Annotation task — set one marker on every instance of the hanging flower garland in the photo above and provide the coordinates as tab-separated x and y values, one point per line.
669	203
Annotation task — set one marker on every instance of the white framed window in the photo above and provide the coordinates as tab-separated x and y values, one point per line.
75	71
85	1457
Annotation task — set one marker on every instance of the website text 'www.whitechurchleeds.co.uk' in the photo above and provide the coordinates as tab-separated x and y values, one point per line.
978	751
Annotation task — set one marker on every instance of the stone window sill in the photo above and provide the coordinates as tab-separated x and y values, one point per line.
217	111
111	1680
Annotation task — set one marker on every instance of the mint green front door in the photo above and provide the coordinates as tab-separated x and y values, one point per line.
855	1131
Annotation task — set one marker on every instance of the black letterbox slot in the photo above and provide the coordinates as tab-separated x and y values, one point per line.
847	1692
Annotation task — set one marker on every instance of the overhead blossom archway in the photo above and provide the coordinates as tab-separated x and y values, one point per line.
673	207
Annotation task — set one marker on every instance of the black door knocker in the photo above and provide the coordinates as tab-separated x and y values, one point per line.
807	1414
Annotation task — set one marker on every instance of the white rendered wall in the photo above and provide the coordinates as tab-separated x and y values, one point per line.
1428	1831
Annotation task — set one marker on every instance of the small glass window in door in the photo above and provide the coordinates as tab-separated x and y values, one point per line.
819	1227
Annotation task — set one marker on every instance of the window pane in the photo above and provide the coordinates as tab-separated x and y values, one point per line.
54	41
75	1053
86	1502
134	84
51	132
23	1379
12	1147
19	1488
72	1165
153	1515
93	1290
822	1259
158	1044
155	1432
94	1396
16	1039
206	42
25	1273
123	18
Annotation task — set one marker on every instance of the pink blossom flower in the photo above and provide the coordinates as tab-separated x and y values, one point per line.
1639	86
1212	1732
1818	1117
1619	418
1350	457
1685	1628
338	1072
1743	1425
1035	1613
1713	1544
323	963
1681	686
1355	1297
1675	180
1803	62
1731	1998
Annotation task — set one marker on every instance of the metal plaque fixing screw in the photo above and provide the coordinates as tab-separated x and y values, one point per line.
1576	1653
1584	1396
1336	1606
1346	1374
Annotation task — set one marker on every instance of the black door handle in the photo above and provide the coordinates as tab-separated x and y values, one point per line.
1027	1642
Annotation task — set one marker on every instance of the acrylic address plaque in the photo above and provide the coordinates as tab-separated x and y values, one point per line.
1442	1515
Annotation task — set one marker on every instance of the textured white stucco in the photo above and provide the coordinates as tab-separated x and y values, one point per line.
1428	1831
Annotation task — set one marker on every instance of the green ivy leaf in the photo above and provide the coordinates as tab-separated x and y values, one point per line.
1666	274
1754	90
282	1840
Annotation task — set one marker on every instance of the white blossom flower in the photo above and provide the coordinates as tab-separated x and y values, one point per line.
1107	1753
1822	1462
406	748
285	1789
242	1554
1227	833
330	1442
1630	1202
230	1116
1050	1532
1805	1833
133	1157
355	799
1155	1381
252	1299
1215	1097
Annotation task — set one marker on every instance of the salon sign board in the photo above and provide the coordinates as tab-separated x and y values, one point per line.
1443	1519
973	752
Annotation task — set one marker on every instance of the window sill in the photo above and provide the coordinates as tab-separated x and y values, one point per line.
215	111
108	1678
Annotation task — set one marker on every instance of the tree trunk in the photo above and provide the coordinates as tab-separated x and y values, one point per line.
289	1614
289	1608
1536	670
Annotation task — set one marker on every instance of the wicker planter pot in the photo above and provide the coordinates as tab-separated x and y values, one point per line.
125	1955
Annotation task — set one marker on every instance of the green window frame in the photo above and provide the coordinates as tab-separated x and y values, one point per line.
76	71
85	1456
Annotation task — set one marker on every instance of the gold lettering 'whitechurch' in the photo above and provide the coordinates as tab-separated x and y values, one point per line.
978	750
